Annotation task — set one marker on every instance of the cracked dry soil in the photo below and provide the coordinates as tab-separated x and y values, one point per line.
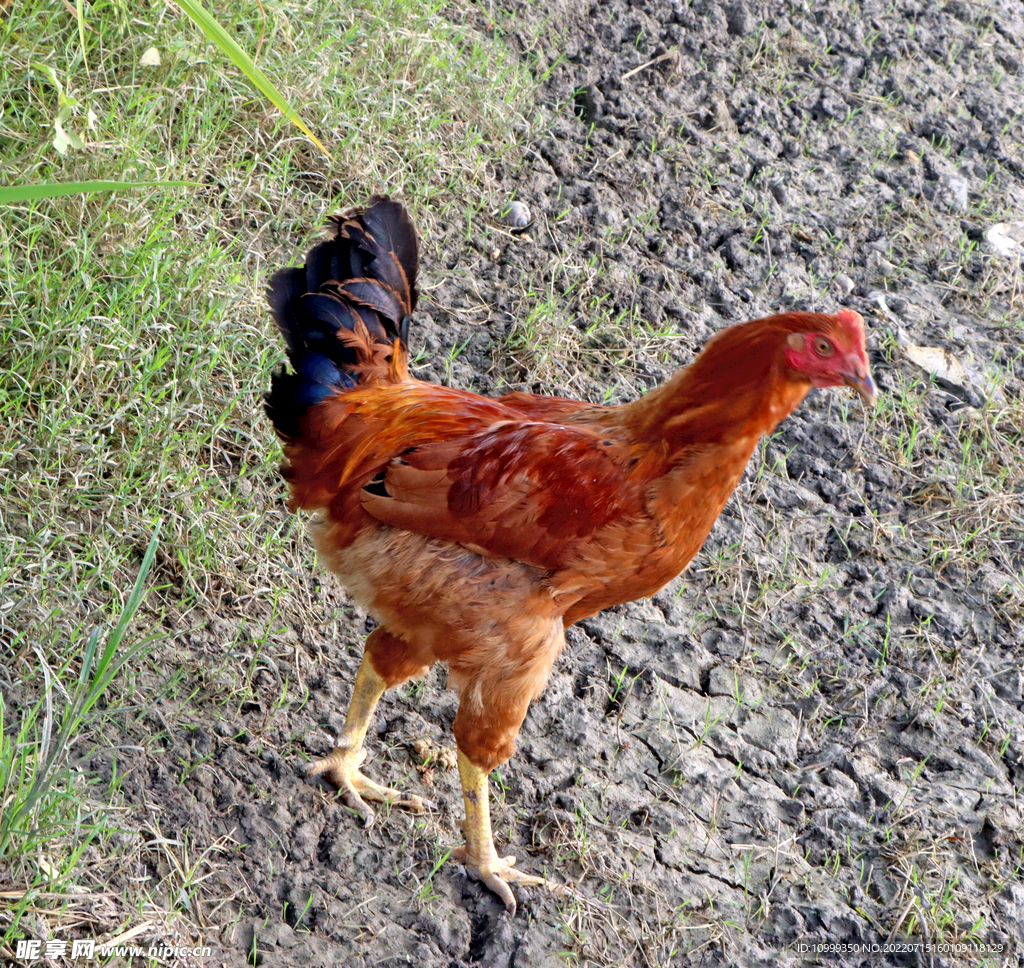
818	733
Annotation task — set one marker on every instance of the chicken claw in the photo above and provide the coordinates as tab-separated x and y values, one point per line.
479	857
496	872
341	766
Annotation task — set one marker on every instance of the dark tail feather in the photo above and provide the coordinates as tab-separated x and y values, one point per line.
365	274
386	230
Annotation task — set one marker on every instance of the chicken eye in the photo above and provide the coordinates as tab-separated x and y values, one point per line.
822	346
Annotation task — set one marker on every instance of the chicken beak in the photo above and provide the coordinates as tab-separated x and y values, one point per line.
864	385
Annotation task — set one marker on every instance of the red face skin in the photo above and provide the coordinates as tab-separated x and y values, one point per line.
834	358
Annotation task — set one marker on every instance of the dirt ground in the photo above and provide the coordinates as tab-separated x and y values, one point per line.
817	736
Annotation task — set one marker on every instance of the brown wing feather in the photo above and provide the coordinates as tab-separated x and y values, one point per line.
525	490
540	407
345	440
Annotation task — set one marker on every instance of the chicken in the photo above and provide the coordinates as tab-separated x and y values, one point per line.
477	529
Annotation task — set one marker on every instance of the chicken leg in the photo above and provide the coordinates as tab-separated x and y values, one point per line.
479	856
341	766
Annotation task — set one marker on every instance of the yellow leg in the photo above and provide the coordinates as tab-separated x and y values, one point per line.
342	765
479	856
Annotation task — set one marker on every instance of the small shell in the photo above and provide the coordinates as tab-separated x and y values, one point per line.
518	215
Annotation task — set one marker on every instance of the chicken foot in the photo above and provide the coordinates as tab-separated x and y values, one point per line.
479	857
341	766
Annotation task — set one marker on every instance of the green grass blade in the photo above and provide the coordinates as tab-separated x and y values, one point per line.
87	659
205	21
80	17
109	663
11	194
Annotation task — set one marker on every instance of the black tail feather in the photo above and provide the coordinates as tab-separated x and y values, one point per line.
365	273
385	230
373	295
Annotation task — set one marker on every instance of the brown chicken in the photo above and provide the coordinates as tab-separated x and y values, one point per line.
477	529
